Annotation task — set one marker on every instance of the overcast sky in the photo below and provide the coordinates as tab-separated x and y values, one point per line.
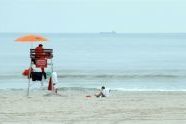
81	16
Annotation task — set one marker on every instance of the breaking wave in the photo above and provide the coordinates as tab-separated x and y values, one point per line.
107	76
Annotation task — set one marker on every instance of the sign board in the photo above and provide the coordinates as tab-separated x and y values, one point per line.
41	63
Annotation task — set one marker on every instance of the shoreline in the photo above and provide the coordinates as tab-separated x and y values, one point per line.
92	89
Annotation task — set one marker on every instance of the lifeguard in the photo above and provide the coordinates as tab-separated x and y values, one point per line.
39	51
39	54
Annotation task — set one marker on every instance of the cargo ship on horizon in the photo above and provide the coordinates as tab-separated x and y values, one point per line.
112	32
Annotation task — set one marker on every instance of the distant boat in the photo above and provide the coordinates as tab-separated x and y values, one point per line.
113	32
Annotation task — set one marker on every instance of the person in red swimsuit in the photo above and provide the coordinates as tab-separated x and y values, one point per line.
39	53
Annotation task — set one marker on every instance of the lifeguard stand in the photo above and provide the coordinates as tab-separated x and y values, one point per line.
41	60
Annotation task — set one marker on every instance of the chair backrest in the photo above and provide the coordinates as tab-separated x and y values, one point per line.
46	53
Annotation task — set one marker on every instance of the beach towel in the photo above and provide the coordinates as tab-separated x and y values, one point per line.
36	76
54	77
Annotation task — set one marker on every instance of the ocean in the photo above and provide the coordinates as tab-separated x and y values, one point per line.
127	62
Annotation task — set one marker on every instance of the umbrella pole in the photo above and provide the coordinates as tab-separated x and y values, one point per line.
28	90
30	69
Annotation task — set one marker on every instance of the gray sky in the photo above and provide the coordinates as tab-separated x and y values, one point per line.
81	16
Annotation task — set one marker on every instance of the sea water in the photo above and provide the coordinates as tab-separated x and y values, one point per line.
129	62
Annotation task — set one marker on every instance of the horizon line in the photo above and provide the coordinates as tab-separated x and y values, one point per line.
93	32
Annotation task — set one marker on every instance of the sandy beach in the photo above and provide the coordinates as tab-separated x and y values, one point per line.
74	107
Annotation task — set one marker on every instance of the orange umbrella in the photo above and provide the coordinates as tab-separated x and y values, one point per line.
31	38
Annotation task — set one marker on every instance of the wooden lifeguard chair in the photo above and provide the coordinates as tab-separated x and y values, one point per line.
40	60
